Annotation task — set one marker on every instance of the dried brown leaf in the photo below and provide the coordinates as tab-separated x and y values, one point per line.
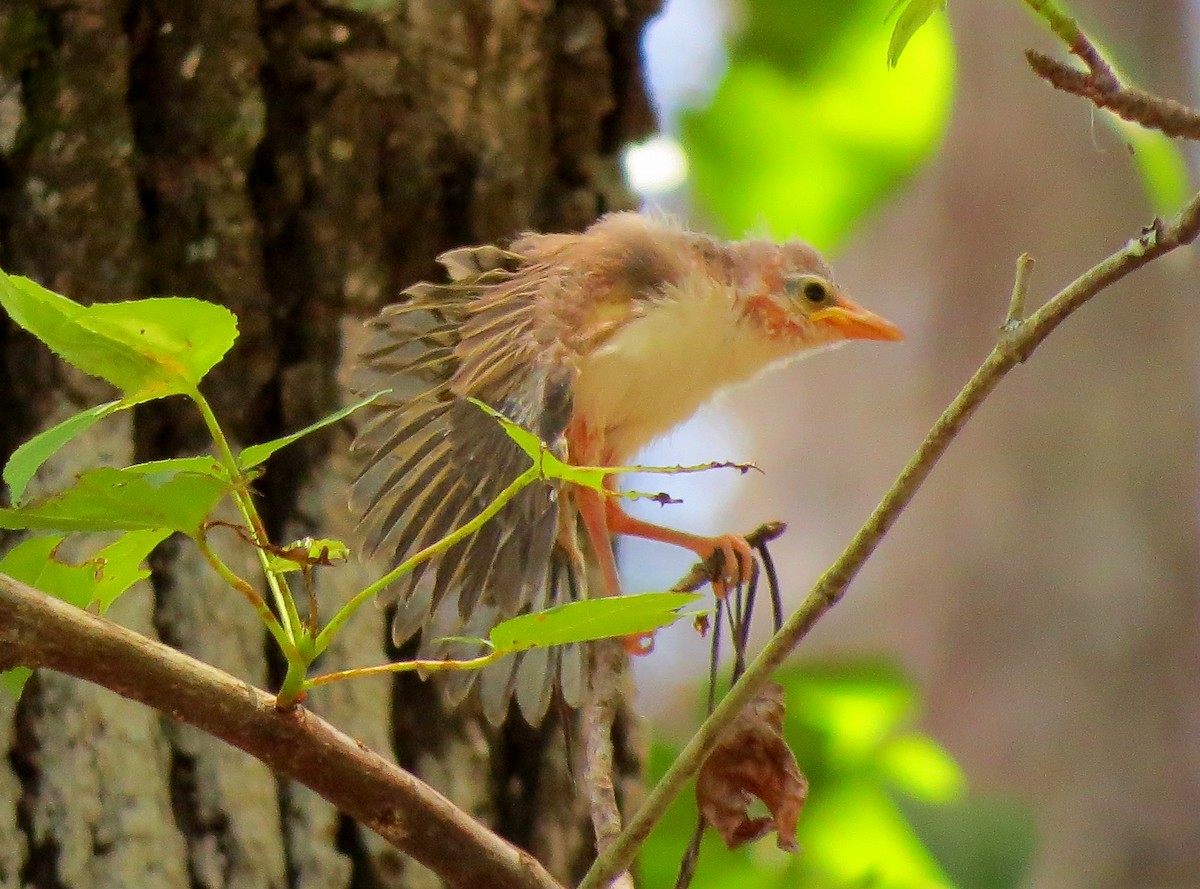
752	759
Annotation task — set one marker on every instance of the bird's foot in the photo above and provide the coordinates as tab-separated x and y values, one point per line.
639	644
737	561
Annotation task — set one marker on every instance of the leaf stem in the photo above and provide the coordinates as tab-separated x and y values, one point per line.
289	617
532	474
431	666
251	595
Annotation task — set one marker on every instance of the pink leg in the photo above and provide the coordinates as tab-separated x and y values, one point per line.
738	557
592	510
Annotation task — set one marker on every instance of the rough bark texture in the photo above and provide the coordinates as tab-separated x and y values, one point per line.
299	162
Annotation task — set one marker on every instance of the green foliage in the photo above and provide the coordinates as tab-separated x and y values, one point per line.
1159	162
869	772
148	348
591	619
125	499
97	581
28	458
260	453
913	14
809	129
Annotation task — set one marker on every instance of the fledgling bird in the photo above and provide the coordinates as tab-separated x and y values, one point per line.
597	342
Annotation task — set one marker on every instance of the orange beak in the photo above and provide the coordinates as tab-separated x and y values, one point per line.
853	322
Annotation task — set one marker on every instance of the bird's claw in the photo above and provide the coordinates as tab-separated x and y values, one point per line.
737	562
639	644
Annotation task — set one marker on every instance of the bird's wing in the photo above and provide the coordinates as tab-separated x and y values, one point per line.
431	461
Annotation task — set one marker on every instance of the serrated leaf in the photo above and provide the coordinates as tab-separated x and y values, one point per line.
98	580
915	14
13	681
28	458
147	348
120	564
258	453
591	619
127	499
308	552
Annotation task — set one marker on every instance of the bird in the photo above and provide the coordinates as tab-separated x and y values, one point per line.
598	342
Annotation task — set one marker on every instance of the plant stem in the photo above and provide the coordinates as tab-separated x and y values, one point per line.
431	666
251	595
532	474
288	615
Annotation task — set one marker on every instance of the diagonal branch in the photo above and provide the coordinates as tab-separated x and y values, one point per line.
41	631
1017	342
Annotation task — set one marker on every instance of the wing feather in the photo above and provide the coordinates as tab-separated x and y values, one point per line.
431	460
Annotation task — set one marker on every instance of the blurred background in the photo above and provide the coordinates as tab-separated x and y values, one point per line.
1033	616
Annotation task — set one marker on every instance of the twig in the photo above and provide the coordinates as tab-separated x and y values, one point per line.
1016	305
1127	102
40	631
1100	85
1077	42
599	712
711	569
829	588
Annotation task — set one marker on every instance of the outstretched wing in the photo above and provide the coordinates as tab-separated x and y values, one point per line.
432	461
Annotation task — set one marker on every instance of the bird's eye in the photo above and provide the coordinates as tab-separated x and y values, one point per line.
810	287
815	292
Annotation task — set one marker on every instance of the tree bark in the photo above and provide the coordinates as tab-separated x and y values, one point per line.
298	162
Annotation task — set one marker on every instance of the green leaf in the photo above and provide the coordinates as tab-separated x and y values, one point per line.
308	552
13	681
550	467
256	454
591	619
26	459
981	841
1159	162
98	580
808	150
127	499
119	565
147	348
200	465
922	768
915	14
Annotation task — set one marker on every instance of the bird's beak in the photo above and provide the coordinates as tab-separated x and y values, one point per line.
853	322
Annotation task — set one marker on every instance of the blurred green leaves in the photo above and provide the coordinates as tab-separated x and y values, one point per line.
887	805
809	129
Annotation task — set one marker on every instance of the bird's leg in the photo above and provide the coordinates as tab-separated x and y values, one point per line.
737	556
593	511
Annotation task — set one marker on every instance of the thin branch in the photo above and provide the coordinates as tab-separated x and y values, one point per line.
599	712
1154	242
1127	102
1016	305
1077	42
1100	85
40	631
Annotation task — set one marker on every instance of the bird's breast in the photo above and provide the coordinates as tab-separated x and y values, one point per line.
662	365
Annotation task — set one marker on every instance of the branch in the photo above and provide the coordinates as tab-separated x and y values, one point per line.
40	631
1100	85
1017	342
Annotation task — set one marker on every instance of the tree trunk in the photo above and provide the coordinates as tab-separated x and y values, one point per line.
299	162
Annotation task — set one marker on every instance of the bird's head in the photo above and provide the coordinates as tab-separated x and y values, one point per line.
787	291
